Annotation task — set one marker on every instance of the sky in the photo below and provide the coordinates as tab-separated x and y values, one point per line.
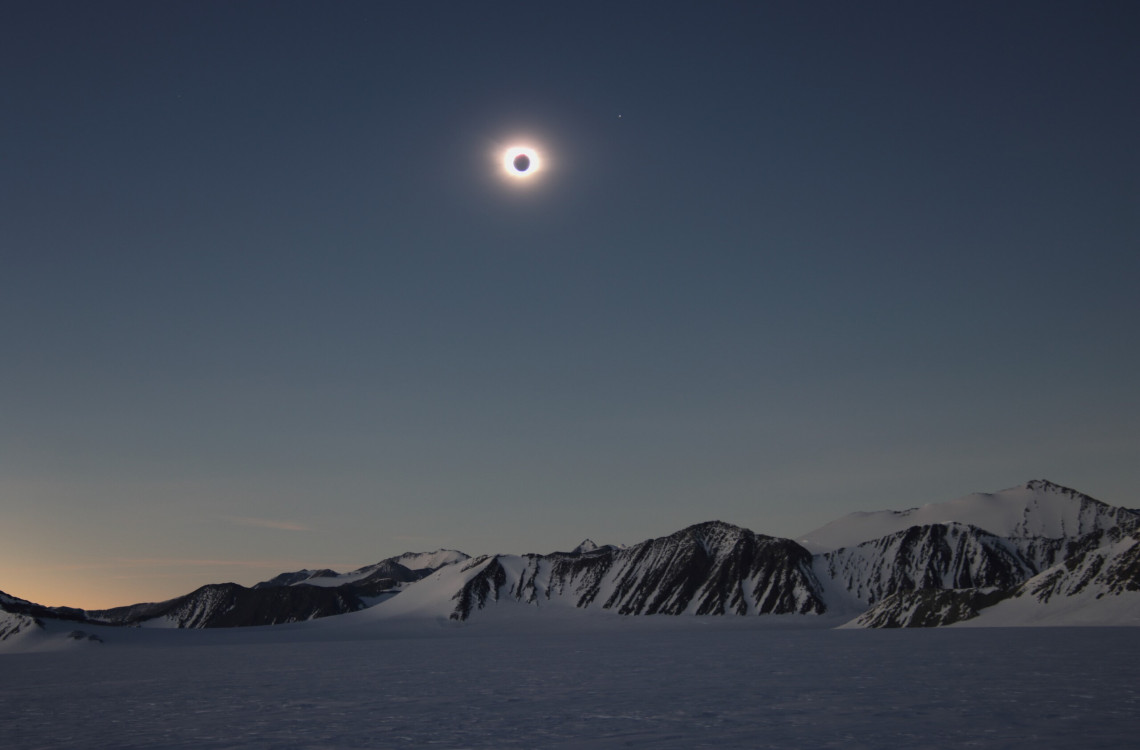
269	301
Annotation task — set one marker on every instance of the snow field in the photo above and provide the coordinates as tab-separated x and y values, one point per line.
1036	509
652	682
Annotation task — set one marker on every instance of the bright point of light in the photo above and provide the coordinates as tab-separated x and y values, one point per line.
521	161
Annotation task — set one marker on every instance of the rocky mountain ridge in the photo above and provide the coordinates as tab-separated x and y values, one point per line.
709	568
959	570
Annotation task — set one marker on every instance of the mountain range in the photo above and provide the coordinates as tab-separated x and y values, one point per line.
1037	554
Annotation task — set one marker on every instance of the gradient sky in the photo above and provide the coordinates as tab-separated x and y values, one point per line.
268	302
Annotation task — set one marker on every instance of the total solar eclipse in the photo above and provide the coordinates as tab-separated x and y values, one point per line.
521	161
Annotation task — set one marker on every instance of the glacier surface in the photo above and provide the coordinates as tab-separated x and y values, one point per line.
598	682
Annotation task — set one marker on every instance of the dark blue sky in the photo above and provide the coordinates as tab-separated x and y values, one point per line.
268	301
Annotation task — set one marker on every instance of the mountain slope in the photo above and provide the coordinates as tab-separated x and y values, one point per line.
1097	582
938	556
1098	586
1060	557
405	568
13	624
222	605
927	608
1037	509
709	568
15	605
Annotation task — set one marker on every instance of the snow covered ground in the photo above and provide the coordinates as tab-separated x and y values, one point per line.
1038	508
597	682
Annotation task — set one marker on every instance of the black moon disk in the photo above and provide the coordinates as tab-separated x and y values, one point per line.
522	163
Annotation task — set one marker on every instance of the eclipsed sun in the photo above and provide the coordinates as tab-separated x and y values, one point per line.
521	161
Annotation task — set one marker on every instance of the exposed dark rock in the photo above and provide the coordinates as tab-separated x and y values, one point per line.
12	623
290	579
938	556
1104	564
712	568
929	608
230	605
482	587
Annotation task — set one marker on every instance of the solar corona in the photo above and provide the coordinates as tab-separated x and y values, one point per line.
521	162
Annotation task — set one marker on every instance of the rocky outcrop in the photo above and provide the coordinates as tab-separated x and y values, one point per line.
938	556
230	605
1109	568
928	608
711	568
13	624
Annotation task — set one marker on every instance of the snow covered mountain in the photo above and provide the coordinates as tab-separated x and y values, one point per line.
927	608
1057	543
381	576
1097	586
223	605
422	562
1034	554
12	624
1037	509
362	587
915	574
288	597
938	556
709	568
15	605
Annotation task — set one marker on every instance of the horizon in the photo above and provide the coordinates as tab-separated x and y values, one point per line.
341	569
271	300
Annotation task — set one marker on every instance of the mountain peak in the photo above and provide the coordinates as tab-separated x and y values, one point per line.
430	560
716	537
1037	509
715	527
1045	486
